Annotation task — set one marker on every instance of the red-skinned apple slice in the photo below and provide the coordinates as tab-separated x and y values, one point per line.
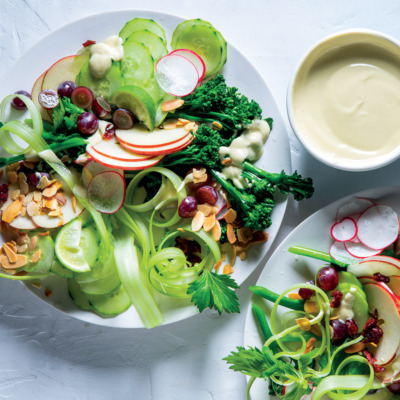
117	152
371	267
394	284
384	302
125	165
139	136
369	279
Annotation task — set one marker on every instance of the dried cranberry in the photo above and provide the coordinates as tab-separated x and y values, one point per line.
109	132
4	192
371	359
373	336
306	293
88	43
352	327
337	297
371	323
381	278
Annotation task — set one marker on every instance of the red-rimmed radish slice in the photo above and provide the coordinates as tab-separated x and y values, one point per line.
221	201
176	75
125	165
194	58
106	192
359	250
378	226
355	240
339	253
354	206
117	152
344	230
92	168
221	213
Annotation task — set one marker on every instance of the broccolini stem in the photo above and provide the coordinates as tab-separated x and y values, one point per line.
319	255
267	294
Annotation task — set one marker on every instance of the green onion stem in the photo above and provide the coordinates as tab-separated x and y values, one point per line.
267	294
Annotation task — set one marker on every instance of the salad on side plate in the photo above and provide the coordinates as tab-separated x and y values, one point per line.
134	173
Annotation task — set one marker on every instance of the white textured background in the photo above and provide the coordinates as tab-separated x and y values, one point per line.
45	354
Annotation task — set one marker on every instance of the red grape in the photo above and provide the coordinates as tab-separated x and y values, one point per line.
394	387
82	97
48	99
206	194
100	107
65	88
87	123
339	331
327	278
188	207
17	103
123	119
35	177
195	186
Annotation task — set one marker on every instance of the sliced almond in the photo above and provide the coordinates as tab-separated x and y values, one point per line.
244	234
230	216
12	176
73	198
182	121
23	185
170	124
50	191
205	208
294	296
13	167
32	209
47	233
217	265
228	270
311	307
232	258
12	211
316	330
61	199
243	255
21	261
44	182
310	344
55	213
10	253
355	348
61	223
37	196
50	204
14	194
199	173
36	284
29	164
22	248
190	126
230	233
23	211
171	105
216	231
33	243
198	221
304	323
209	222
28	198
22	238
36	256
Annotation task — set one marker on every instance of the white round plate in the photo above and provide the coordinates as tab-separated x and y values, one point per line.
238	72
285	269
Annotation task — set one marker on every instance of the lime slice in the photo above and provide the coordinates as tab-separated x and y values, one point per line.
138	101
67	247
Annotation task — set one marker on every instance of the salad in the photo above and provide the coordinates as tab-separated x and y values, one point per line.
134	173
339	338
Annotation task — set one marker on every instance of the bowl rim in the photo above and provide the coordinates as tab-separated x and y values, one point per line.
381	161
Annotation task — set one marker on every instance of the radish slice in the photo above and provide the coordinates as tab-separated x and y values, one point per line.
359	250
344	230
176	75
194	58
339	253
378	226
222	213
355	240
93	168
354	206
106	192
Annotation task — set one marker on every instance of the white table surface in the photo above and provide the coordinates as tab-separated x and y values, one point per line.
45	354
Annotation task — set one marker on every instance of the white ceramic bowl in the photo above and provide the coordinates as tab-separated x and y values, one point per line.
324	141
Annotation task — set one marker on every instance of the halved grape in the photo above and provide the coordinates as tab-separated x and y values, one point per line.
206	194
101	108
123	119
65	88
17	103
82	97
48	99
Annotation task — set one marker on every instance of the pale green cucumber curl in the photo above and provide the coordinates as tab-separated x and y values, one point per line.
36	144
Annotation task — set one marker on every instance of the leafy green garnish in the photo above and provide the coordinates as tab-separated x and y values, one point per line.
212	290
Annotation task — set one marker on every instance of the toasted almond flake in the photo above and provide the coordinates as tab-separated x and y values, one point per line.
226	161
258	237
171	105
55	213
228	270
33	243
294	296
310	307
13	167
32	209
182	121
61	223
316	330
190	126
44	182
29	164
37	196
199	173
169	124
14	194
47	233
36	284
230	216
20	262
10	253
217	265
28	198
244	234
216	231
310	344
57	184
36	256
50	191
22	248
12	211
209	222
198	221
304	323
233	255
243	255
180	229
73	198
12	176
205	209
23	211
334	317
23	185
60	199
22	238
50	204
230	233
355	348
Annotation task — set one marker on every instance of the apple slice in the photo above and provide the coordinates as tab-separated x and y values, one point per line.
37	88
369	279
388	259
117	152
125	165
384	302
19	222
394	284
139	136
371	267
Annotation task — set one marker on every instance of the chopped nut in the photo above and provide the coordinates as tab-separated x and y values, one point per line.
10	253
258	237
55	213
243	255
310	344
209	222
230	216
20	262
199	173
23	211
169	124
217	125
304	323
13	167
32	209
216	231
36	256
171	105
47	233
22	239
226	161
44	182
12	211
316	330
37	196
228	270
50	191
355	348
205	209
182	121
230	233
61	199
198	221
73	198
50	204
28	164
61	223
23	185
33	243
190	126
233	255
244	234
310	307
14	194
12	176
28	198
22	248
217	265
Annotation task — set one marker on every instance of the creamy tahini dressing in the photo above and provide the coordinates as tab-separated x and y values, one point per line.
102	54
347	104
345	310
248	146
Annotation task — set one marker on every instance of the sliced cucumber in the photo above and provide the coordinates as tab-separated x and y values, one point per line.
138	24
60	270
137	66
154	43
202	38
78	296
89	243
112	304
46	246
104	86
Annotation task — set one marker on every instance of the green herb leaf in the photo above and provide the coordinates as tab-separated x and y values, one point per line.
58	115
213	290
